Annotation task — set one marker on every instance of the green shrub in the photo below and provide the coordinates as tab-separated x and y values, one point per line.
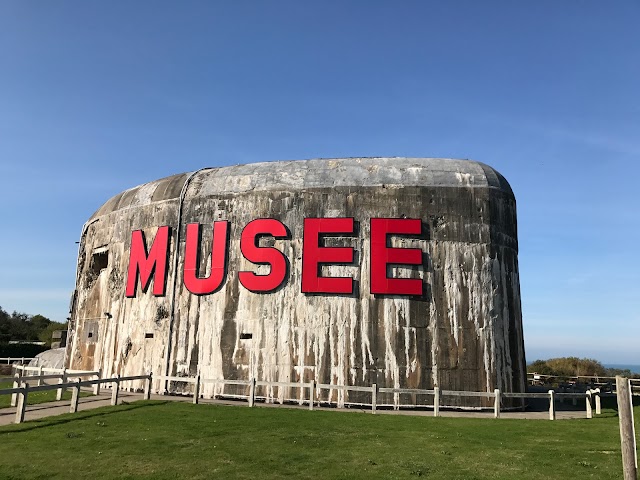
19	350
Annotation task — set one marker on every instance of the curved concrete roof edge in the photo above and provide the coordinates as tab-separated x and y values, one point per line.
314	173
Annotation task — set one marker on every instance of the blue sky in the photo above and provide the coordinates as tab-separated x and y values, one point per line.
97	97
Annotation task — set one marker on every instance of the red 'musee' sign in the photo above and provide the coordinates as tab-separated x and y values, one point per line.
147	265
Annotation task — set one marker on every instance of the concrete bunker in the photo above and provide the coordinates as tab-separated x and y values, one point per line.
463	332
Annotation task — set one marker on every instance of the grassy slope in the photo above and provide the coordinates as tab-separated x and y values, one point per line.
33	397
177	440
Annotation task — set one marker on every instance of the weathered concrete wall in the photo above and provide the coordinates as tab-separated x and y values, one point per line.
465	334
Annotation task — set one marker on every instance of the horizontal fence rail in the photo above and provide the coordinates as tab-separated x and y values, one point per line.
525	395
9	360
40	370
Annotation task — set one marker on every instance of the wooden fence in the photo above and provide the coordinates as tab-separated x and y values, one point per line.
20	360
594	380
22	391
23	386
592	397
62	375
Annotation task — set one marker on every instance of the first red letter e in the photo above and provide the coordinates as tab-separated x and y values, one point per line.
313	255
145	266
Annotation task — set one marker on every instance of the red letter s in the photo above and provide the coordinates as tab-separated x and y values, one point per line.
263	255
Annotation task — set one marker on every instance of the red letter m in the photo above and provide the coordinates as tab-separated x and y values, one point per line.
145	266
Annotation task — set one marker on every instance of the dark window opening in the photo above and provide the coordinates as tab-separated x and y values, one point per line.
148	335
90	334
246	336
99	262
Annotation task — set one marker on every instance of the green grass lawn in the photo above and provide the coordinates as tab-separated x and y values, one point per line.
33	398
168	440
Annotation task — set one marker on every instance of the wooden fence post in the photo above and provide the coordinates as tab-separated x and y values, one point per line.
40	375
374	397
61	390
252	391
196	390
312	394
147	387
588	403
75	398
16	384
627	429
496	403
115	390
436	401
96	386
552	405
22	403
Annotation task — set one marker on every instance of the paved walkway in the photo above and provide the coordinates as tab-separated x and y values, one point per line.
33	412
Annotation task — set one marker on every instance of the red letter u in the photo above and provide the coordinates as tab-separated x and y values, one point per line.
205	285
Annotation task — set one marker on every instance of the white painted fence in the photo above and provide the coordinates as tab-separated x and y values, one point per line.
62	375
592	397
593	380
21	360
24	389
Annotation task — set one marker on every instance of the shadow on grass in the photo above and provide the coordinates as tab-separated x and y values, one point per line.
55	403
61	403
73	417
